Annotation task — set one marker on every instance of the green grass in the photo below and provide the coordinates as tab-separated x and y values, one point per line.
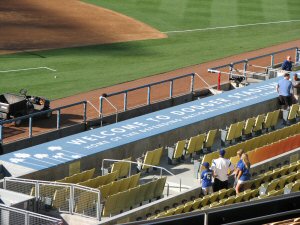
86	68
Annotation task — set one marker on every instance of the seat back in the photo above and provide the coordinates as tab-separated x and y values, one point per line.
179	149
191	148
249	126
231	132
293	112
268	120
125	167
258	123
239	129
157	156
210	138
275	117
200	142
148	159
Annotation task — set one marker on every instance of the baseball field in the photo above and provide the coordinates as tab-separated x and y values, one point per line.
166	35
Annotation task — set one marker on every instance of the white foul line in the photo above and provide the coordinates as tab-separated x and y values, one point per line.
233	26
35	68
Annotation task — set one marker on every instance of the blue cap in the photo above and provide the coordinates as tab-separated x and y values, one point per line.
205	164
222	152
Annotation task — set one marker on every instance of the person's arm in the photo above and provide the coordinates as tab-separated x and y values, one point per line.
239	174
277	88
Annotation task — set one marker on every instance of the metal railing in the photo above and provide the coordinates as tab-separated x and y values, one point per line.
62	197
148	86
11	215
101	108
247	63
141	164
38	114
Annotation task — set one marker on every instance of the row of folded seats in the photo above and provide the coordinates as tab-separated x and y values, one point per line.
236	132
271	183
254	143
256	125
133	197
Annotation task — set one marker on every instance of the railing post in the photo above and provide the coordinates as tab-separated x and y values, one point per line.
149	95
297	55
272	61
1	133
230	70
192	83
72	200
4	183
125	101
245	69
171	88
58	120
26	222
84	111
30	127
100	105
99	207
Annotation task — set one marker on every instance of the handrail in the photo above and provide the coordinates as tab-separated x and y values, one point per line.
143	164
101	110
32	115
254	58
151	84
94	107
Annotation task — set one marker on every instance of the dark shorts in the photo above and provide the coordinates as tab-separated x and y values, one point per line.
285	100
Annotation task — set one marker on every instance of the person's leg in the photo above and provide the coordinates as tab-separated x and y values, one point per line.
204	191
209	190
216	186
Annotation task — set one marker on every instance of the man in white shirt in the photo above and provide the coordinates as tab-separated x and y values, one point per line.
220	167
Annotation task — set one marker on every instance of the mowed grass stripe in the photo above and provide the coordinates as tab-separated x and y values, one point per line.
86	68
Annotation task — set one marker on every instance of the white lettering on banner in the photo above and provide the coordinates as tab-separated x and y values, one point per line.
172	117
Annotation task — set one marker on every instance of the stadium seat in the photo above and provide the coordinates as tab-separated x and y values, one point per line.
228	135
267	123
134	180
200	143
247	132
149	194
197	203
275	118
239	131
187	207
160	185
289	116
275	192
210	138
257	129
157	156
175	154
121	167
105	191
191	146
146	160
60	199
178	209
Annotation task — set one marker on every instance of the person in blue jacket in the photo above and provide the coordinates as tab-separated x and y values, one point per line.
287	64
206	179
243	173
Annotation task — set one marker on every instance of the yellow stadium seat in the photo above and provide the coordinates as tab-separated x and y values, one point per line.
267	123
275	118
197	203
105	191
249	127
229	200
160	187
200	142
239	131
258	124
210	138
148	159
111	205
191	147
60	199
131	198
141	196
187	207
124	184
149	194
134	180
213	197
229	134
178	209
157	156
174	154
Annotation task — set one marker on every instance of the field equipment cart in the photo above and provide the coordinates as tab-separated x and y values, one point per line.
16	105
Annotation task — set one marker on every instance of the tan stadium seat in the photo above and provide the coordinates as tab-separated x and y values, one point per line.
258	124
105	191
134	180
140	198
111	204
149	194
228	135
196	203
187	207
200	142
191	146
160	187
229	200
249	127
210	138
175	154
290	116
267	123
178	209
157	156
239	131
60	199
275	118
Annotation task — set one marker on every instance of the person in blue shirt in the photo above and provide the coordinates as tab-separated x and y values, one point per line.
285	90
206	179
243	173
287	64
239	154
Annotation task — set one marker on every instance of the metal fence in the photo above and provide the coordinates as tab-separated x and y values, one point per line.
262	64
42	113
15	216
149	94
62	197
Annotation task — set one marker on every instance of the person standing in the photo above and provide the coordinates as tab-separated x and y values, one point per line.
285	90
220	168
239	155
296	86
206	179
287	64
243	173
